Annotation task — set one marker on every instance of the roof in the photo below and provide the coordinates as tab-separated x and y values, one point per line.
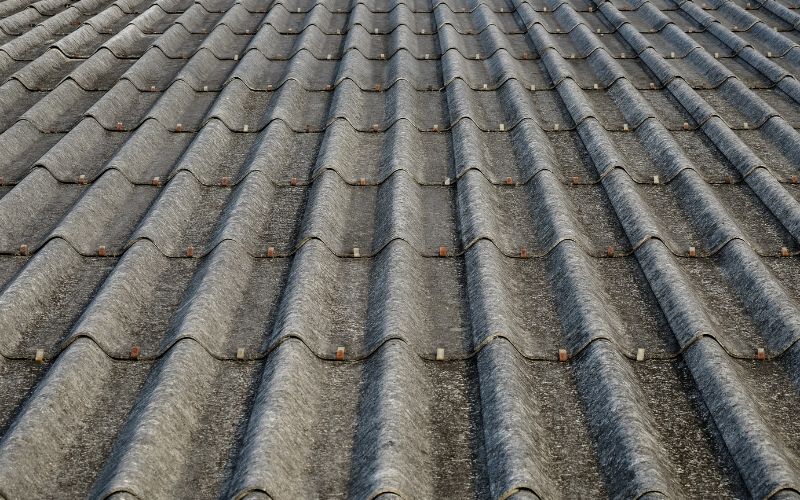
445	248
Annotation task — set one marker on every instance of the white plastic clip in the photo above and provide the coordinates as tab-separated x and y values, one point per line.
39	356
447	181
356	252
640	354
439	354
656	179
502	127
246	128
240	353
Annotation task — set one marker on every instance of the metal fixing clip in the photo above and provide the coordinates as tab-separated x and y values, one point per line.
190	251
101	251
640	354
39	357
562	355
439	354
240	353
442	251
340	353
692	252
271	252
761	355
135	352
784	252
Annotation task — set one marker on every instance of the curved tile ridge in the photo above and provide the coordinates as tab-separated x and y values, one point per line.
162	424
585	316
784	79
756	175
55	419
687	318
783	12
774	310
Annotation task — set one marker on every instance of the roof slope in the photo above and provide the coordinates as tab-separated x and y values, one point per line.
588	209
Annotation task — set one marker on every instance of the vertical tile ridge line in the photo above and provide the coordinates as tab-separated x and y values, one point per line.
785	208
160	426
285	383
687	319
510	467
39	435
514	467
775	310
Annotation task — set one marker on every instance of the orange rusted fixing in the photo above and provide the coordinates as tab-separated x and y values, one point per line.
576	180
23	249
101	251
377	87
39	357
442	251
178	127
120	128
793	179
190	251
135	351
225	181
692	252
509	181
293	182
562	355
761	354
362	181
240	353
784	252
271	252
340	353
156	181
375	127
610	251
523	253
2	180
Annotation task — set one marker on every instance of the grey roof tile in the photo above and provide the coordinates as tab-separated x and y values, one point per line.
237	236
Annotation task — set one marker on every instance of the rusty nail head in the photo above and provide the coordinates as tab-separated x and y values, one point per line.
377	87
101	251
135	351
523	252
793	179
362	181
610	251
178	127
375	127
784	252
190	251
39	358
576	180
761	354
293	182
120	128
23	249
226	181
692	252
562	355
442	251
156	181
81	179
340	353
509	181
271	252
